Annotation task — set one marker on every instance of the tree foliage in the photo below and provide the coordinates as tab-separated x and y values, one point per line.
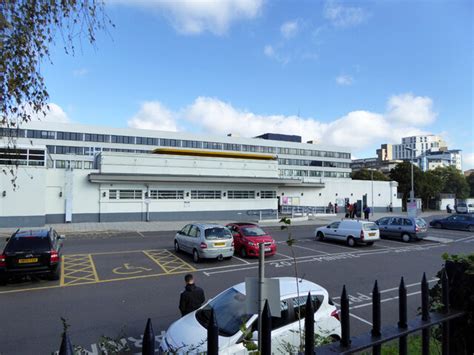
402	174
365	174
27	28
454	182
470	182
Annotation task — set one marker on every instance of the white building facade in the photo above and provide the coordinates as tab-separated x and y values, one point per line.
76	173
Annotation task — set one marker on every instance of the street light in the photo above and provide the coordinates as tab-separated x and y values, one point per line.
372	183
412	191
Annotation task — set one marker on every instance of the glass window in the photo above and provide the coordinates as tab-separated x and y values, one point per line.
334	225
113	194
205	194
240	194
185	230
193	231
167	194
267	194
217	233
383	221
407	222
253	231
396	221
130	194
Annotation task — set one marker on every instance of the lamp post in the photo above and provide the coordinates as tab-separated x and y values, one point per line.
412	191
372	188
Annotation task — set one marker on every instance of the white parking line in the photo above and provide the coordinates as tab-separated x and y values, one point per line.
361	319
463	239
140	234
244	261
286	256
384	300
318	251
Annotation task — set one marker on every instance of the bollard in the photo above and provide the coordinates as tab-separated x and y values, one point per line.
212	335
402	317
345	321
66	346
446	330
425	316
376	317
309	327
148	346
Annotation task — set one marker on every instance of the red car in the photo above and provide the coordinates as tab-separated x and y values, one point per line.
247	236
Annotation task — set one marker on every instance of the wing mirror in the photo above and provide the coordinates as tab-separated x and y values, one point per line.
236	234
328	226
7	239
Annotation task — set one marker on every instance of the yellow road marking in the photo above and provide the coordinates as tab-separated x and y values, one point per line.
168	261
61	282
79	269
93	268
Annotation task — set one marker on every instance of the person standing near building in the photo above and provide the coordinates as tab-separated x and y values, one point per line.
192	297
366	212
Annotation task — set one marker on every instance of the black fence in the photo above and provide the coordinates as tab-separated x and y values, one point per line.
347	344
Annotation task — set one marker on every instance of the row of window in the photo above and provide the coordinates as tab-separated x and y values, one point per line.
195	194
313	173
70	164
28	157
299	162
165	142
60	149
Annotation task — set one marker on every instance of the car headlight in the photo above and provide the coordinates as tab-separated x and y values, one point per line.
251	244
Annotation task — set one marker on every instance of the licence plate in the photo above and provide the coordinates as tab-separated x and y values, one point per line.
372	234
268	249
27	261
219	244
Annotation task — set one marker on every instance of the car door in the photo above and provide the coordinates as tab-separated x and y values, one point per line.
237	235
192	239
453	222
395	227
331	230
181	237
383	226
408	227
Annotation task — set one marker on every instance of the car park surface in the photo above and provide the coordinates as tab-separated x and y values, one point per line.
247	237
114	304
402	227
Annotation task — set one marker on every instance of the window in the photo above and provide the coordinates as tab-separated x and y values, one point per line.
191	144
407	222
69	136
383	221
212	145
240	194
205	194
170	142
123	139
88	165
299	304
267	194
60	164
147	141
185	230
334	225
113	194
40	134
396	221
234	147
194	232
130	194
167	194
97	137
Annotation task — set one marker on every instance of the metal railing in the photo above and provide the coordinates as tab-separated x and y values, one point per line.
347	344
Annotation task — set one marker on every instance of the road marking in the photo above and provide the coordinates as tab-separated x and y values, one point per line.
168	261
244	261
469	240
79	269
318	251
94	270
129	269
140	234
286	256
463	239
361	319
384	300
438	239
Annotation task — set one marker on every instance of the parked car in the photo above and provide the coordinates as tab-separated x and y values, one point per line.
350	231
205	241
402	227
463	207
456	221
247	237
189	333
32	252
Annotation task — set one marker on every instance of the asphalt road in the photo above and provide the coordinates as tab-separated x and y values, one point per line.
111	283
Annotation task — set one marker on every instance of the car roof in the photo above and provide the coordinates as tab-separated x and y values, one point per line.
354	221
207	225
32	233
244	224
288	286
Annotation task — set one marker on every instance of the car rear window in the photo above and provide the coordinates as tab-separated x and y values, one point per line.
370	227
217	233
420	222
25	243
253	231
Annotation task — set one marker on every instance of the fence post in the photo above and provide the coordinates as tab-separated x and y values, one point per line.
212	335
266	330
446	331
309	327
66	346
402	317
345	325
148	345
425	316
376	317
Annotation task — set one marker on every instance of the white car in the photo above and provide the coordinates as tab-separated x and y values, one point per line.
349	231
189	333
463	207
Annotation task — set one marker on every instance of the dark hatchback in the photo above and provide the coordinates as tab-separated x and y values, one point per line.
457	221
32	252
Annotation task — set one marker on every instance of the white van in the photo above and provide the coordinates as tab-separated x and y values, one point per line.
349	231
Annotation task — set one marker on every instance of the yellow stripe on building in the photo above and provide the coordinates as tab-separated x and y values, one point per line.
213	154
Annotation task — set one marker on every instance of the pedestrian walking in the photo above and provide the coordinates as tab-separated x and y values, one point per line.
192	297
354	210
348	210
366	212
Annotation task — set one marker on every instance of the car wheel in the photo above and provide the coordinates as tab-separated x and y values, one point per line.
470	228
320	236
55	274
351	241
176	247
196	257
406	237
243	252
438	225
370	243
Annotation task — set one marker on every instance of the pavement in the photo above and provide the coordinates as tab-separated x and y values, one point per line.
154	226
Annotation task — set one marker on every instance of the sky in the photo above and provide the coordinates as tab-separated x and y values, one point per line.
355	74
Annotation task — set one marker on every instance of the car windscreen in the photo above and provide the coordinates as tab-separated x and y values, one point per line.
229	312
37	244
420	222
253	231
370	227
217	233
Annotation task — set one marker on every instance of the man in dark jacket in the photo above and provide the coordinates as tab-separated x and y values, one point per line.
192	297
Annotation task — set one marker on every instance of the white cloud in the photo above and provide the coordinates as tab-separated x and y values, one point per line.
344	80
289	29
406	108
153	115
195	17
357	130
54	114
269	51
80	72
468	161
344	16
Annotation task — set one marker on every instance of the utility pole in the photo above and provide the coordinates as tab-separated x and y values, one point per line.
261	278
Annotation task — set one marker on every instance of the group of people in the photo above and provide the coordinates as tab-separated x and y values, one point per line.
352	211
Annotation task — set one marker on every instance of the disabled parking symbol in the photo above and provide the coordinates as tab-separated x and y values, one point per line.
128	269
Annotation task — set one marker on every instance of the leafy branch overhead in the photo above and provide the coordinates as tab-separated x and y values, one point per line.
27	28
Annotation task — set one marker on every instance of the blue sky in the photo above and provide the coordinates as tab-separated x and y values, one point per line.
349	73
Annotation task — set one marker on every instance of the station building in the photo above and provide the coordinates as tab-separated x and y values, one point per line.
77	173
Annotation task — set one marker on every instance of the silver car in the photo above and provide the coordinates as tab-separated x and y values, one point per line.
402	227
205	241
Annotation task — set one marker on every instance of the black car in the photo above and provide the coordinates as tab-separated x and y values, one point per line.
457	221
29	252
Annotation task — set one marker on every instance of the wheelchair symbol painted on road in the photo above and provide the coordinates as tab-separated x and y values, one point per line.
128	269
